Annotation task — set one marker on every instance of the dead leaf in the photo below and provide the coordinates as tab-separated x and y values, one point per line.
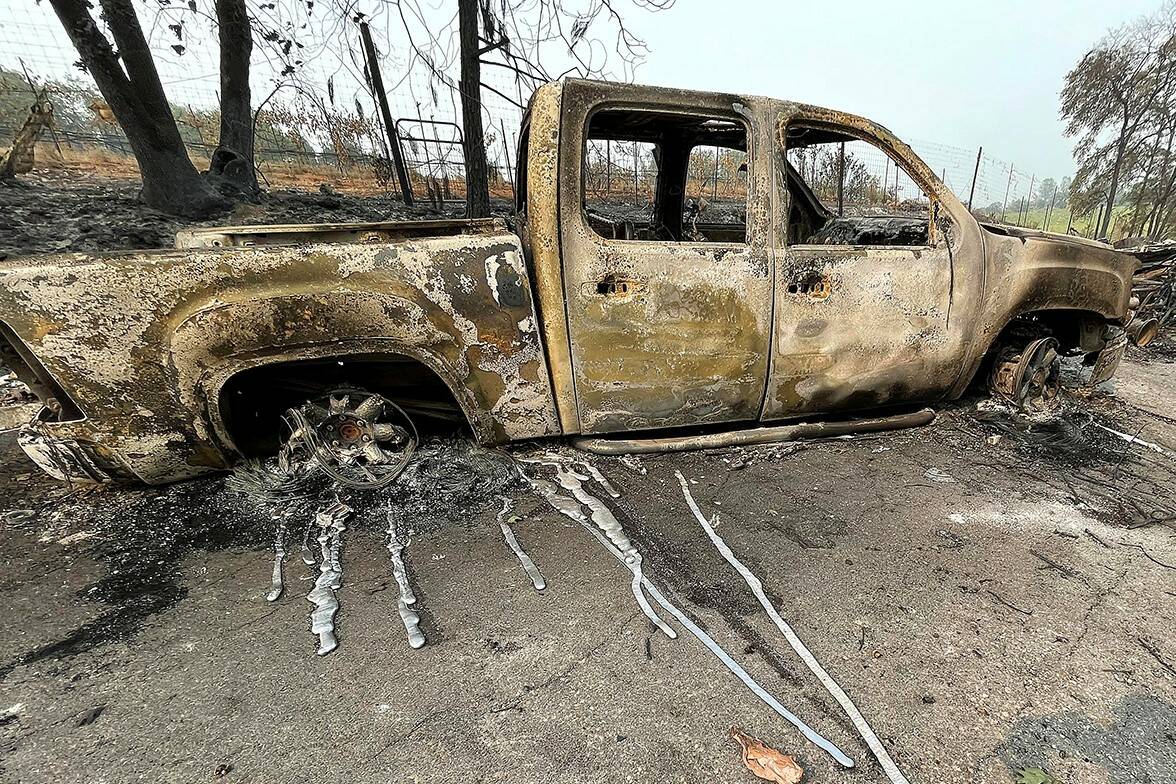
765	762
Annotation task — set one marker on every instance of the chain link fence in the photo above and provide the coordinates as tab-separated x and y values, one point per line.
322	125
318	125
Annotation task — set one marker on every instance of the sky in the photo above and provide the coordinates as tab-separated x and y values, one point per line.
955	74
960	73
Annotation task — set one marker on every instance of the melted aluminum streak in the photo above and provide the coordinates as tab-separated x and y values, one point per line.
562	503
411	621
598	477
607	522
508	533
307	555
330	579
277	585
859	722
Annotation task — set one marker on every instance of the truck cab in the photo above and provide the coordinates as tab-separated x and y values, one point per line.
812	286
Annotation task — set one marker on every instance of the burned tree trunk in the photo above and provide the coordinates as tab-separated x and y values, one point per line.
233	159
1113	191
477	184
135	95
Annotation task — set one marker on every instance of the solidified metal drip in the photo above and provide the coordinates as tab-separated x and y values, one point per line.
322	618
600	479
859	722
411	621
560	503
524	559
307	555
277	585
607	522
732	665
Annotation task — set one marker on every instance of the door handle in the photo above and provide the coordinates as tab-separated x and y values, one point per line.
813	288
618	287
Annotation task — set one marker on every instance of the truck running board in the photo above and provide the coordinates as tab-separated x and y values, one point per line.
758	435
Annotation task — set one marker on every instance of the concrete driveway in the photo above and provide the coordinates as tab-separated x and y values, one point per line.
991	603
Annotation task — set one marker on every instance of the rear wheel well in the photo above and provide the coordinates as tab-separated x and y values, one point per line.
252	401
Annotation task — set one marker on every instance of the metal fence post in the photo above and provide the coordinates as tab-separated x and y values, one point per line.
1029	196
636	157
1049	207
975	174
841	180
509	166
607	167
715	189
1005	206
381	97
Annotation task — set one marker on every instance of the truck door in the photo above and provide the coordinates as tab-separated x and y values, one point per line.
666	260
864	274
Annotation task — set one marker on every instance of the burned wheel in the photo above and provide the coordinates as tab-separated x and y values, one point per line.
358	438
1030	377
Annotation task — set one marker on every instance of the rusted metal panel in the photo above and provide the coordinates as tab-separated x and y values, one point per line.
143	341
687	343
542	233
877	335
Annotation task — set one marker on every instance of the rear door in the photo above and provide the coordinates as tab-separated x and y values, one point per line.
666	258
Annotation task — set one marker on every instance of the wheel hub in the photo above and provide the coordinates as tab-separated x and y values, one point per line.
349	436
1030	378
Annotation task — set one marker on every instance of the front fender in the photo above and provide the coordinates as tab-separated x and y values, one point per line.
1033	270
1039	272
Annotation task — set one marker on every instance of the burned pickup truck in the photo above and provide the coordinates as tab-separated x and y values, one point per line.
815	289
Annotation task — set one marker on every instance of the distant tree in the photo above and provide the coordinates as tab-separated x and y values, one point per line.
130	83
70	101
1046	193
1063	192
1110	96
860	186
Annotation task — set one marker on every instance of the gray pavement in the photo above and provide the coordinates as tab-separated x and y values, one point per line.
1007	619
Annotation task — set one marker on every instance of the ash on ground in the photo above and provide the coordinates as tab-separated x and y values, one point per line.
57	211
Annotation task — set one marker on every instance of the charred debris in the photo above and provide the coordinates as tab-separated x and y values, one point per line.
1154	285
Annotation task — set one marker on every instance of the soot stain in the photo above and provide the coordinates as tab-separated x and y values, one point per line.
1139	745
144	544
